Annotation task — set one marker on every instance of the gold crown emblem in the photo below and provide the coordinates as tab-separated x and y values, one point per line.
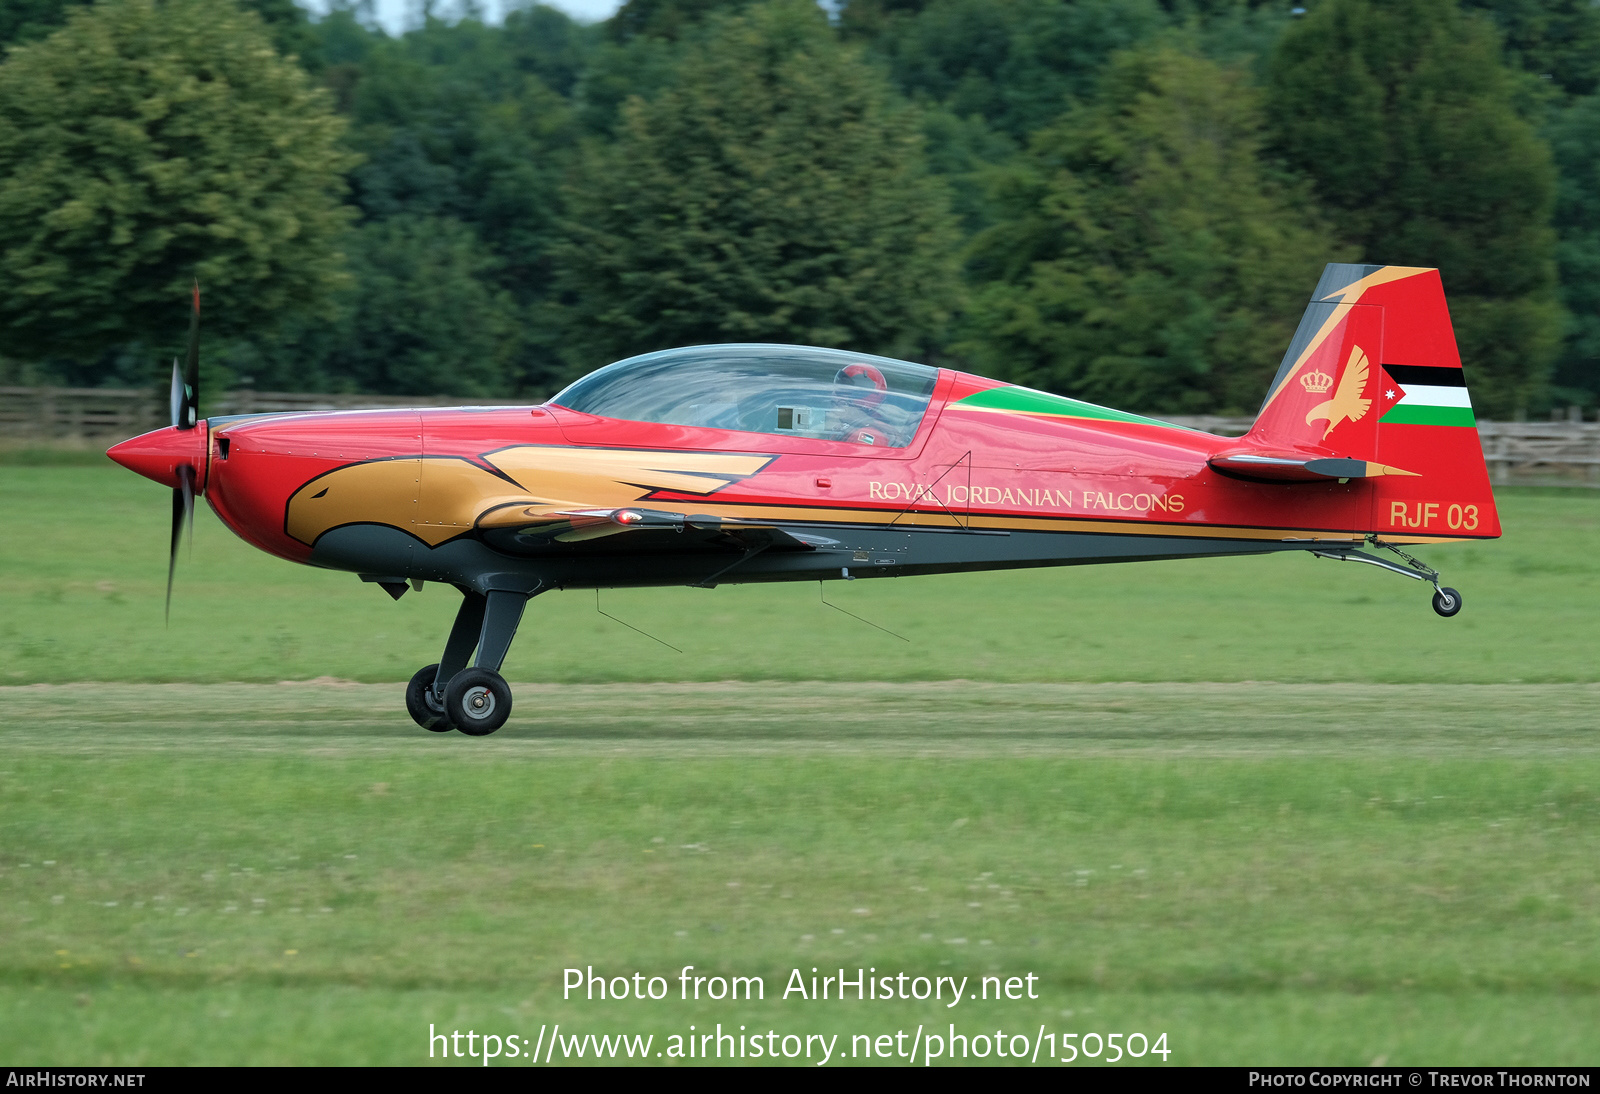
1316	382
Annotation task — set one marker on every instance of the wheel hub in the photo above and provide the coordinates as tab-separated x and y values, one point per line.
479	702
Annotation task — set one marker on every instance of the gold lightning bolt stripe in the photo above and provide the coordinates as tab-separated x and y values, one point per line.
1348	297
598	477
438	497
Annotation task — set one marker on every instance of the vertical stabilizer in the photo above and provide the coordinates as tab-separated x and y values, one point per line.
1373	374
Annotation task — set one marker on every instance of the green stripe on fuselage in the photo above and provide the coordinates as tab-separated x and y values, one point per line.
1022	400
1408	414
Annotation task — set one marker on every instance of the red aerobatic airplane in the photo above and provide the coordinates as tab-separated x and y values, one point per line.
733	463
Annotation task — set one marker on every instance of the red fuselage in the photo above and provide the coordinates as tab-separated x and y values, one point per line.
1039	466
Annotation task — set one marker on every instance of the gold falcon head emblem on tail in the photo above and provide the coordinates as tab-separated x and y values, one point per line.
1347	403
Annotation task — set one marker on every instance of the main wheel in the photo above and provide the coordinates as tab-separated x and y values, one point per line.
424	704
1446	602
478	701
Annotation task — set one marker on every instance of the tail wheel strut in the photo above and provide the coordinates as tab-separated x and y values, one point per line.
1446	601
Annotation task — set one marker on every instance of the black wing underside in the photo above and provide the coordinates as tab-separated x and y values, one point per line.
645	532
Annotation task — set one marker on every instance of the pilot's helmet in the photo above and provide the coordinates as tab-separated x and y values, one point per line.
864	377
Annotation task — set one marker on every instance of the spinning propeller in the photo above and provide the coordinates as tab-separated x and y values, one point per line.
176	456
186	384
185	400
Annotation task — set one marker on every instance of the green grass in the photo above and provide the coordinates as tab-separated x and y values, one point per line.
1383	848
83	571
1268	873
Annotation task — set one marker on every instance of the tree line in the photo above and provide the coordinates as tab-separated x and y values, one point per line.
1123	200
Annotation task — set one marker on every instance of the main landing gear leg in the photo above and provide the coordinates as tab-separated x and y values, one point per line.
476	699
1446	601
425	693
463	639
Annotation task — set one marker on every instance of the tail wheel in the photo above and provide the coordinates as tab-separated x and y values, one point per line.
1446	601
478	701
424	704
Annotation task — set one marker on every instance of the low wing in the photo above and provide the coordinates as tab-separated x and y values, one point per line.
533	530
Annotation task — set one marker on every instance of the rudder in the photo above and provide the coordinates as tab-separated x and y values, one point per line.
1373	374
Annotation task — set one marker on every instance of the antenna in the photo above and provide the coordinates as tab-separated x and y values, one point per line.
630	626
854	616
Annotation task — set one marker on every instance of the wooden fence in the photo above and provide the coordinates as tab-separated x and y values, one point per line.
74	416
249	401
100	417
1558	453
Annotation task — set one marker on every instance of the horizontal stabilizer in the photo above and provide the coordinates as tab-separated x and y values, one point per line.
1292	467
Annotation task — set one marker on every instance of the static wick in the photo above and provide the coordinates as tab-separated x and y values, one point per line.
630	626
853	615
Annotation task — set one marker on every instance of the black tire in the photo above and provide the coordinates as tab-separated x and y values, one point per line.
478	701
1447	602
425	708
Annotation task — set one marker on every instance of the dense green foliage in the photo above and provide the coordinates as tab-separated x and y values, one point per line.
1575	139
773	192
426	317
462	128
1077	194
1015	63
24	21
1402	114
145	144
1557	40
1142	256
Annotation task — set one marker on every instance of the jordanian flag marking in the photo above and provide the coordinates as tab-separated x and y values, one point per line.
1424	395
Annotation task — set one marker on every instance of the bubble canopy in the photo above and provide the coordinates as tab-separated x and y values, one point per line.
803	391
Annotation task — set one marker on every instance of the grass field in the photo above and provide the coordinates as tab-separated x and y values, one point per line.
1383	850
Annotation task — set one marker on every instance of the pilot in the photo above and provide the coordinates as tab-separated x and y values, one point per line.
859	390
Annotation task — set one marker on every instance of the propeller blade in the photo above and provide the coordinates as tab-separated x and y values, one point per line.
182	514
186	478
176	397
191	367
172	555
